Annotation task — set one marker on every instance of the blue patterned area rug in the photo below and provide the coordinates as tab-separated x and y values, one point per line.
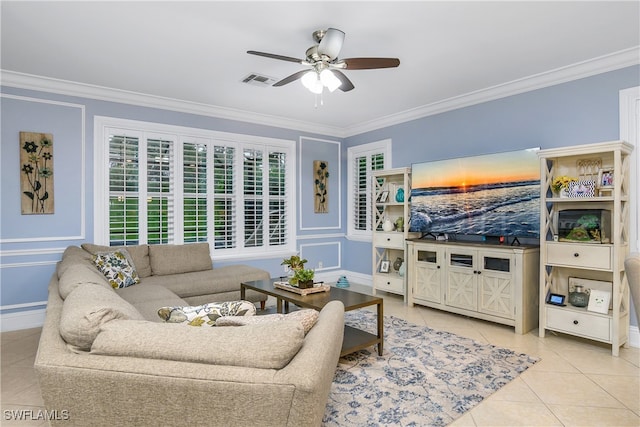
424	377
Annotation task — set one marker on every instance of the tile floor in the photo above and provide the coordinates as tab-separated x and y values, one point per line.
577	383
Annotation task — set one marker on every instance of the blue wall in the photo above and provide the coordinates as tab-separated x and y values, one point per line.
572	113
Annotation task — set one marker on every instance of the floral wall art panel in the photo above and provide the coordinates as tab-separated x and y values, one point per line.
36	173
321	181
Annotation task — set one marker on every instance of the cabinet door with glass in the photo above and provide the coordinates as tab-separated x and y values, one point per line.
495	284
429	271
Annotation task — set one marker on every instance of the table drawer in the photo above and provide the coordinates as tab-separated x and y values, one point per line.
389	284
389	240
577	323
591	256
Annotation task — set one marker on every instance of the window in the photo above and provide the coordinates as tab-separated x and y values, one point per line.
160	184
362	159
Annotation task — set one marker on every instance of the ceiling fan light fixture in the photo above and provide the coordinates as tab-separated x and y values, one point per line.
311	81
329	80
331	43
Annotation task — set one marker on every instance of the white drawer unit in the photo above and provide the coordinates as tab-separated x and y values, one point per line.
393	240
589	256
579	323
389	284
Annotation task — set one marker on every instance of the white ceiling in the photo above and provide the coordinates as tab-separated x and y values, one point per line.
196	51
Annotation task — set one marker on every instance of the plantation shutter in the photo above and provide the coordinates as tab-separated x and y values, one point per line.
123	190
160	191
361	191
253	202
224	201
195	192
362	188
277	199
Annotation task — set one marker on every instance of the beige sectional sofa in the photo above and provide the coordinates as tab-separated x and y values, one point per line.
106	358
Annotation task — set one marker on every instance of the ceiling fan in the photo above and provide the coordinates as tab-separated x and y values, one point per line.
323	59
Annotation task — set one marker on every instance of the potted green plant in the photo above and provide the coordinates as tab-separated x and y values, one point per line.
295	263
304	278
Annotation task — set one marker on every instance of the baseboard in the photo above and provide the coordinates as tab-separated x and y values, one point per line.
352	277
26	319
634	336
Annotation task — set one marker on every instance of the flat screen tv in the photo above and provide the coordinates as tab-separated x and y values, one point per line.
488	195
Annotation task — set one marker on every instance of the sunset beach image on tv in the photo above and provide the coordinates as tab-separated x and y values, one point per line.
489	195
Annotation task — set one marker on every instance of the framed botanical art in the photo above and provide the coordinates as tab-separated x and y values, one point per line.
36	173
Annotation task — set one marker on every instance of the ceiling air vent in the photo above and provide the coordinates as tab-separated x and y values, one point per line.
258	80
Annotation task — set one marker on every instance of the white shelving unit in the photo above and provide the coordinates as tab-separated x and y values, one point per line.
602	261
388	246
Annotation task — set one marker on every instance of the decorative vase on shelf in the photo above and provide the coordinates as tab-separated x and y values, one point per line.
387	225
400	195
578	298
397	264
402	270
564	193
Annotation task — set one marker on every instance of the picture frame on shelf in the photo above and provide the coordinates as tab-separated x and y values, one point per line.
605	178
384	266
599	301
383	197
583	188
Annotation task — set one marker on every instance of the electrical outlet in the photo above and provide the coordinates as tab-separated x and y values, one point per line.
320	264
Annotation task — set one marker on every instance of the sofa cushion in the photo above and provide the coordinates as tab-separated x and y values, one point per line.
117	267
147	298
217	280
86	309
206	314
139	255
78	274
275	344
176	259
73	255
307	318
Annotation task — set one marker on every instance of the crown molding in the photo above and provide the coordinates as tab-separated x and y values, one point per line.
598	65
69	88
591	67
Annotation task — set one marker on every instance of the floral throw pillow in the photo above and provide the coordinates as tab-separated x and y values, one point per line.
117	267
206	314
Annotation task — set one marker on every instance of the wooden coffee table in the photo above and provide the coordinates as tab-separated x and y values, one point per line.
354	339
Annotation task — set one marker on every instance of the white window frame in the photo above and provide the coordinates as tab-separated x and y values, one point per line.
178	134
369	149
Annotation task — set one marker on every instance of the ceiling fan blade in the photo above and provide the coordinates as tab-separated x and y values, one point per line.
291	78
370	63
346	85
331	43
274	56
